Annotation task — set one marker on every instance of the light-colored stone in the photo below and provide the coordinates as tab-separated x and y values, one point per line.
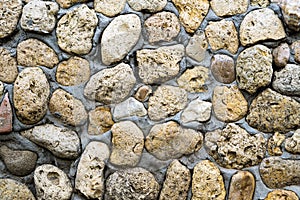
129	108
109	8
260	3
8	66
292	144
296	50
6	114
166	101
291	13
274	144
119	37
69	3
282	194
242	186
13	190
75	30
197	110
143	93
159	65
62	142
149	5
229	7
281	55
260	25
100	120
1	89
197	46
223	68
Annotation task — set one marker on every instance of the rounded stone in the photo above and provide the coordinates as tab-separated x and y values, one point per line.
222	68
197	110
69	3
109	8
11	189
197	46
281	55
242	186
229	7
6	113
296	50
148	5
143	93
129	108
8	66
100	120
291	14
292	144
282	194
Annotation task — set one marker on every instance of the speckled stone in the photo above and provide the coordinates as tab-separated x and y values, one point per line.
109	8
148	5
129	108
6	114
242	186
1	89
296	50
260	3
8	66
68	3
281	194
223	68
281	55
274	144
143	93
197	46
229	7
292	144
100	120
13	190
197	110
290	12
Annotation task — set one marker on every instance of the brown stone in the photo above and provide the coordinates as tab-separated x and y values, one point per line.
143	93
100	120
222	68
242	186
292	144
296	48
6	115
279	194
274	144
281	55
291	14
8	66
13	190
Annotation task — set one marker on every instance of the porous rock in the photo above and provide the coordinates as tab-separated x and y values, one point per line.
242	186
274	144
260	3
296	50
222	68
292	144
11	189
197	110
100	120
8	66
282	194
128	108
6	115
281	55
149	5
109	8
291	13
229	7
68	3
197	46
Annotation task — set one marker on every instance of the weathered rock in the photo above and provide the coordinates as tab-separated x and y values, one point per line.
30	95
149	5
274	144
8	66
100	120
260	25
292	144
68	3
282	194
90	171
207	182
254	68
75	30
191	13
234	148
242	186
169	141
110	85
6	115
197	110
109	8
229	104
134	183
271	112
1	89
52	183
287	81
166	101
194	80
296	50
128	108
67	108
73	71
260	3
11	189
222	35
127	144
281	55
10	12
159	65
143	93
197	46
177	182
229	7
119	37
291	14
62	142
278	173
222	68
34	53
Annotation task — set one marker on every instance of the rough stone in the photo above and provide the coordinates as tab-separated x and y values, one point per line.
271	112
281	55
242	186
177	182
8	66
170	141
30	95
159	65
134	183
34	53
254	68
222	35
166	101
67	108
62	142
292	144
119	37
1	89
143	93
128	108
282	194
229	7
197	110
197	46
68	3
127	144
149	5
291	14
100	120
109	8
73	71
191	13
90	171
207	182
274	144
52	183
11	189
260	25
6	115
194	80
296	50
229	104
278	173
260	3
234	148
111	85
222	68
75	30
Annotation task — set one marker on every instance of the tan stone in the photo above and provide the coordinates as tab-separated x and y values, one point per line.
281	55
229	7
149	5
296	48
274	144
68	3
282	194
292	144
8	66
109	8
11	190
143	93
197	46
100	120
291	14
260	3
242	186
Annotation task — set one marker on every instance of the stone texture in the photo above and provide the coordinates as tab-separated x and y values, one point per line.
223	68
191	13
291	13
274	144
222	35
234	148
30	95
229	104
194	80
100	120
260	25
287	81
39	16
281	55
6	115
229	7
292	144
271	111
162	26
197	46
129	108
34	53
149	5
278	173
282	194
10	12
132	183
296	50
197	110
109	8
68	3
67	108
119	37
11	190
242	186
159	65
207	182
166	101
90	171
62	142
143	93
260	3
169	141
51	183
254	68
1	89
8	66
177	182
127	144
75	30
111	85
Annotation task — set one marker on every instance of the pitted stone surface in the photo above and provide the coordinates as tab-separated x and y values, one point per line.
296	50
109	8
8	66
128	108
274	144
292	144
291	14
223	68
197	110
229	7
100	120
11	189
282	194
281	55
242	186
68	3
197	46
261	3
148	5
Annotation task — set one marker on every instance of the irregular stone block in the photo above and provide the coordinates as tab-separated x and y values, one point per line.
100	120
109	8
197	46
274	144
281	55
197	110
11	189
68	3
292	144
229	7
149	5
128	108
291	13
8	66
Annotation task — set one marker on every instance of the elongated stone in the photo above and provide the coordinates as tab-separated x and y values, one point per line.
6	115
242	186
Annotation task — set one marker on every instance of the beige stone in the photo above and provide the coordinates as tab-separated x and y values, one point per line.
260	3
229	7
281	55
149	5
109	8
197	110
197	46
129	108
8	66
242	186
274	144
292	144
11	189
100	120
282	194
296	48
291	14
68	3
